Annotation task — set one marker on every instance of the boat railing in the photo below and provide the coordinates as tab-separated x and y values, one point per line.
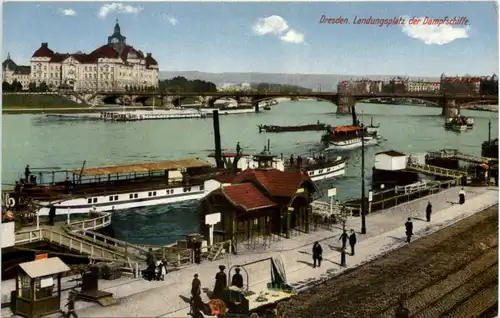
99	222
434	170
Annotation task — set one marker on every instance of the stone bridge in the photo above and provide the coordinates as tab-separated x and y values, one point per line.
345	102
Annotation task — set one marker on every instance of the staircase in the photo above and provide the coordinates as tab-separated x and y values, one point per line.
435	171
214	252
455	154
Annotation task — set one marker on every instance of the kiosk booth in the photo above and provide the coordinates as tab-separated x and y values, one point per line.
38	287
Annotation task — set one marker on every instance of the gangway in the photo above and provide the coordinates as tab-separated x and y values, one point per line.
433	170
456	154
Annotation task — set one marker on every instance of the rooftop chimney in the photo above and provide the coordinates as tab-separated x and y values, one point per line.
148	54
45	44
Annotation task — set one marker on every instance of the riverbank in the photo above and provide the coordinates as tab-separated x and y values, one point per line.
385	233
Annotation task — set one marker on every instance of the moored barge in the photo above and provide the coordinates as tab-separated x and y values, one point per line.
279	129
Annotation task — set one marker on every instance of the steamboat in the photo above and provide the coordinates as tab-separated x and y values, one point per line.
351	137
459	123
120	187
279	129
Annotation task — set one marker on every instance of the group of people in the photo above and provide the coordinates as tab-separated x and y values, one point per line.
157	269
299	162
317	250
219	288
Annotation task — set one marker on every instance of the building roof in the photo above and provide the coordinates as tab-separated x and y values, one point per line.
44	267
346	128
43	51
23	70
144	167
246	196
150	60
9	63
391	153
278	183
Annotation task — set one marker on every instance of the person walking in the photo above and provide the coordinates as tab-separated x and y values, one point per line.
151	263
344	238
461	196
317	254
409	230
71	305
195	295
352	241
428	211
220	283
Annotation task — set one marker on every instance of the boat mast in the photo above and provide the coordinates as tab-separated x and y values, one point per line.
81	171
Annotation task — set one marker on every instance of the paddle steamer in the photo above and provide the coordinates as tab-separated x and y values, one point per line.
350	137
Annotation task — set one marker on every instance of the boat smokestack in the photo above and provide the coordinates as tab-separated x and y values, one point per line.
354	117
218	149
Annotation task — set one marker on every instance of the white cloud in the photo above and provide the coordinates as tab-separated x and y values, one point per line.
276	25
270	25
171	20
68	12
435	34
117	7
292	36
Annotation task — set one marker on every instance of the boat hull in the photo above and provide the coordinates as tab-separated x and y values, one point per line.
122	201
327	173
352	143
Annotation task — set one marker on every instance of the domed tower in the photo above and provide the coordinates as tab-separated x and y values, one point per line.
117	40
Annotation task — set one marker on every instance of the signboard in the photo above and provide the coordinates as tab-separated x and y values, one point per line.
370	196
8	236
212	219
332	192
41	256
46	281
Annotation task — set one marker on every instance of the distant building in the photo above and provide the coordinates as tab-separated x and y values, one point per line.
460	84
362	86
112	66
11	71
420	86
489	85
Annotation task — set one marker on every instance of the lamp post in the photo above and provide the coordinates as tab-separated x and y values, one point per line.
331	193
363	217
343	220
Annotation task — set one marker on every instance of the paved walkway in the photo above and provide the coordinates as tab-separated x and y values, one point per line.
140	298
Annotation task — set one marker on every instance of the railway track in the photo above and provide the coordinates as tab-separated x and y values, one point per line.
451	273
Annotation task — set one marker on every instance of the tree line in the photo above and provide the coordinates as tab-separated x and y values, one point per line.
285	88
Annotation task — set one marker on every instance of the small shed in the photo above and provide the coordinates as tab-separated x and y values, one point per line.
390	160
38	287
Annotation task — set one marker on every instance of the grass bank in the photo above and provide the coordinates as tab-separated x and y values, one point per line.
35	103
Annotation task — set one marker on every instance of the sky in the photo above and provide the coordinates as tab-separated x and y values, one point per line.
270	37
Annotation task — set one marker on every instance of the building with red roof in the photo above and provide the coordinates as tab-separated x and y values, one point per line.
259	202
112	66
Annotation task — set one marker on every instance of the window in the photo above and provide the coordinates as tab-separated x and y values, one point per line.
110	198
89	200
95	200
171	191
154	193
136	196
185	189
116	198
131	196
202	187
149	194
189	189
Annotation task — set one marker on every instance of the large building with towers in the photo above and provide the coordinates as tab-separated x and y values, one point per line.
112	66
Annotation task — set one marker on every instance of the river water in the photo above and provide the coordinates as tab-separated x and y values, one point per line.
34	140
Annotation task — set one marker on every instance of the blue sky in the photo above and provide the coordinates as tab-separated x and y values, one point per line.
279	37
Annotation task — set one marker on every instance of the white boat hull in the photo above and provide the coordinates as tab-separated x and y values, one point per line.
327	173
352	143
208	111
123	201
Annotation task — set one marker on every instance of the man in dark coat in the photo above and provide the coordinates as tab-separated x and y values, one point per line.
317	254
151	262
352	241
344	238
409	230
220	283
237	279
461	196
428	211
52	215
195	295
71	305
27	173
